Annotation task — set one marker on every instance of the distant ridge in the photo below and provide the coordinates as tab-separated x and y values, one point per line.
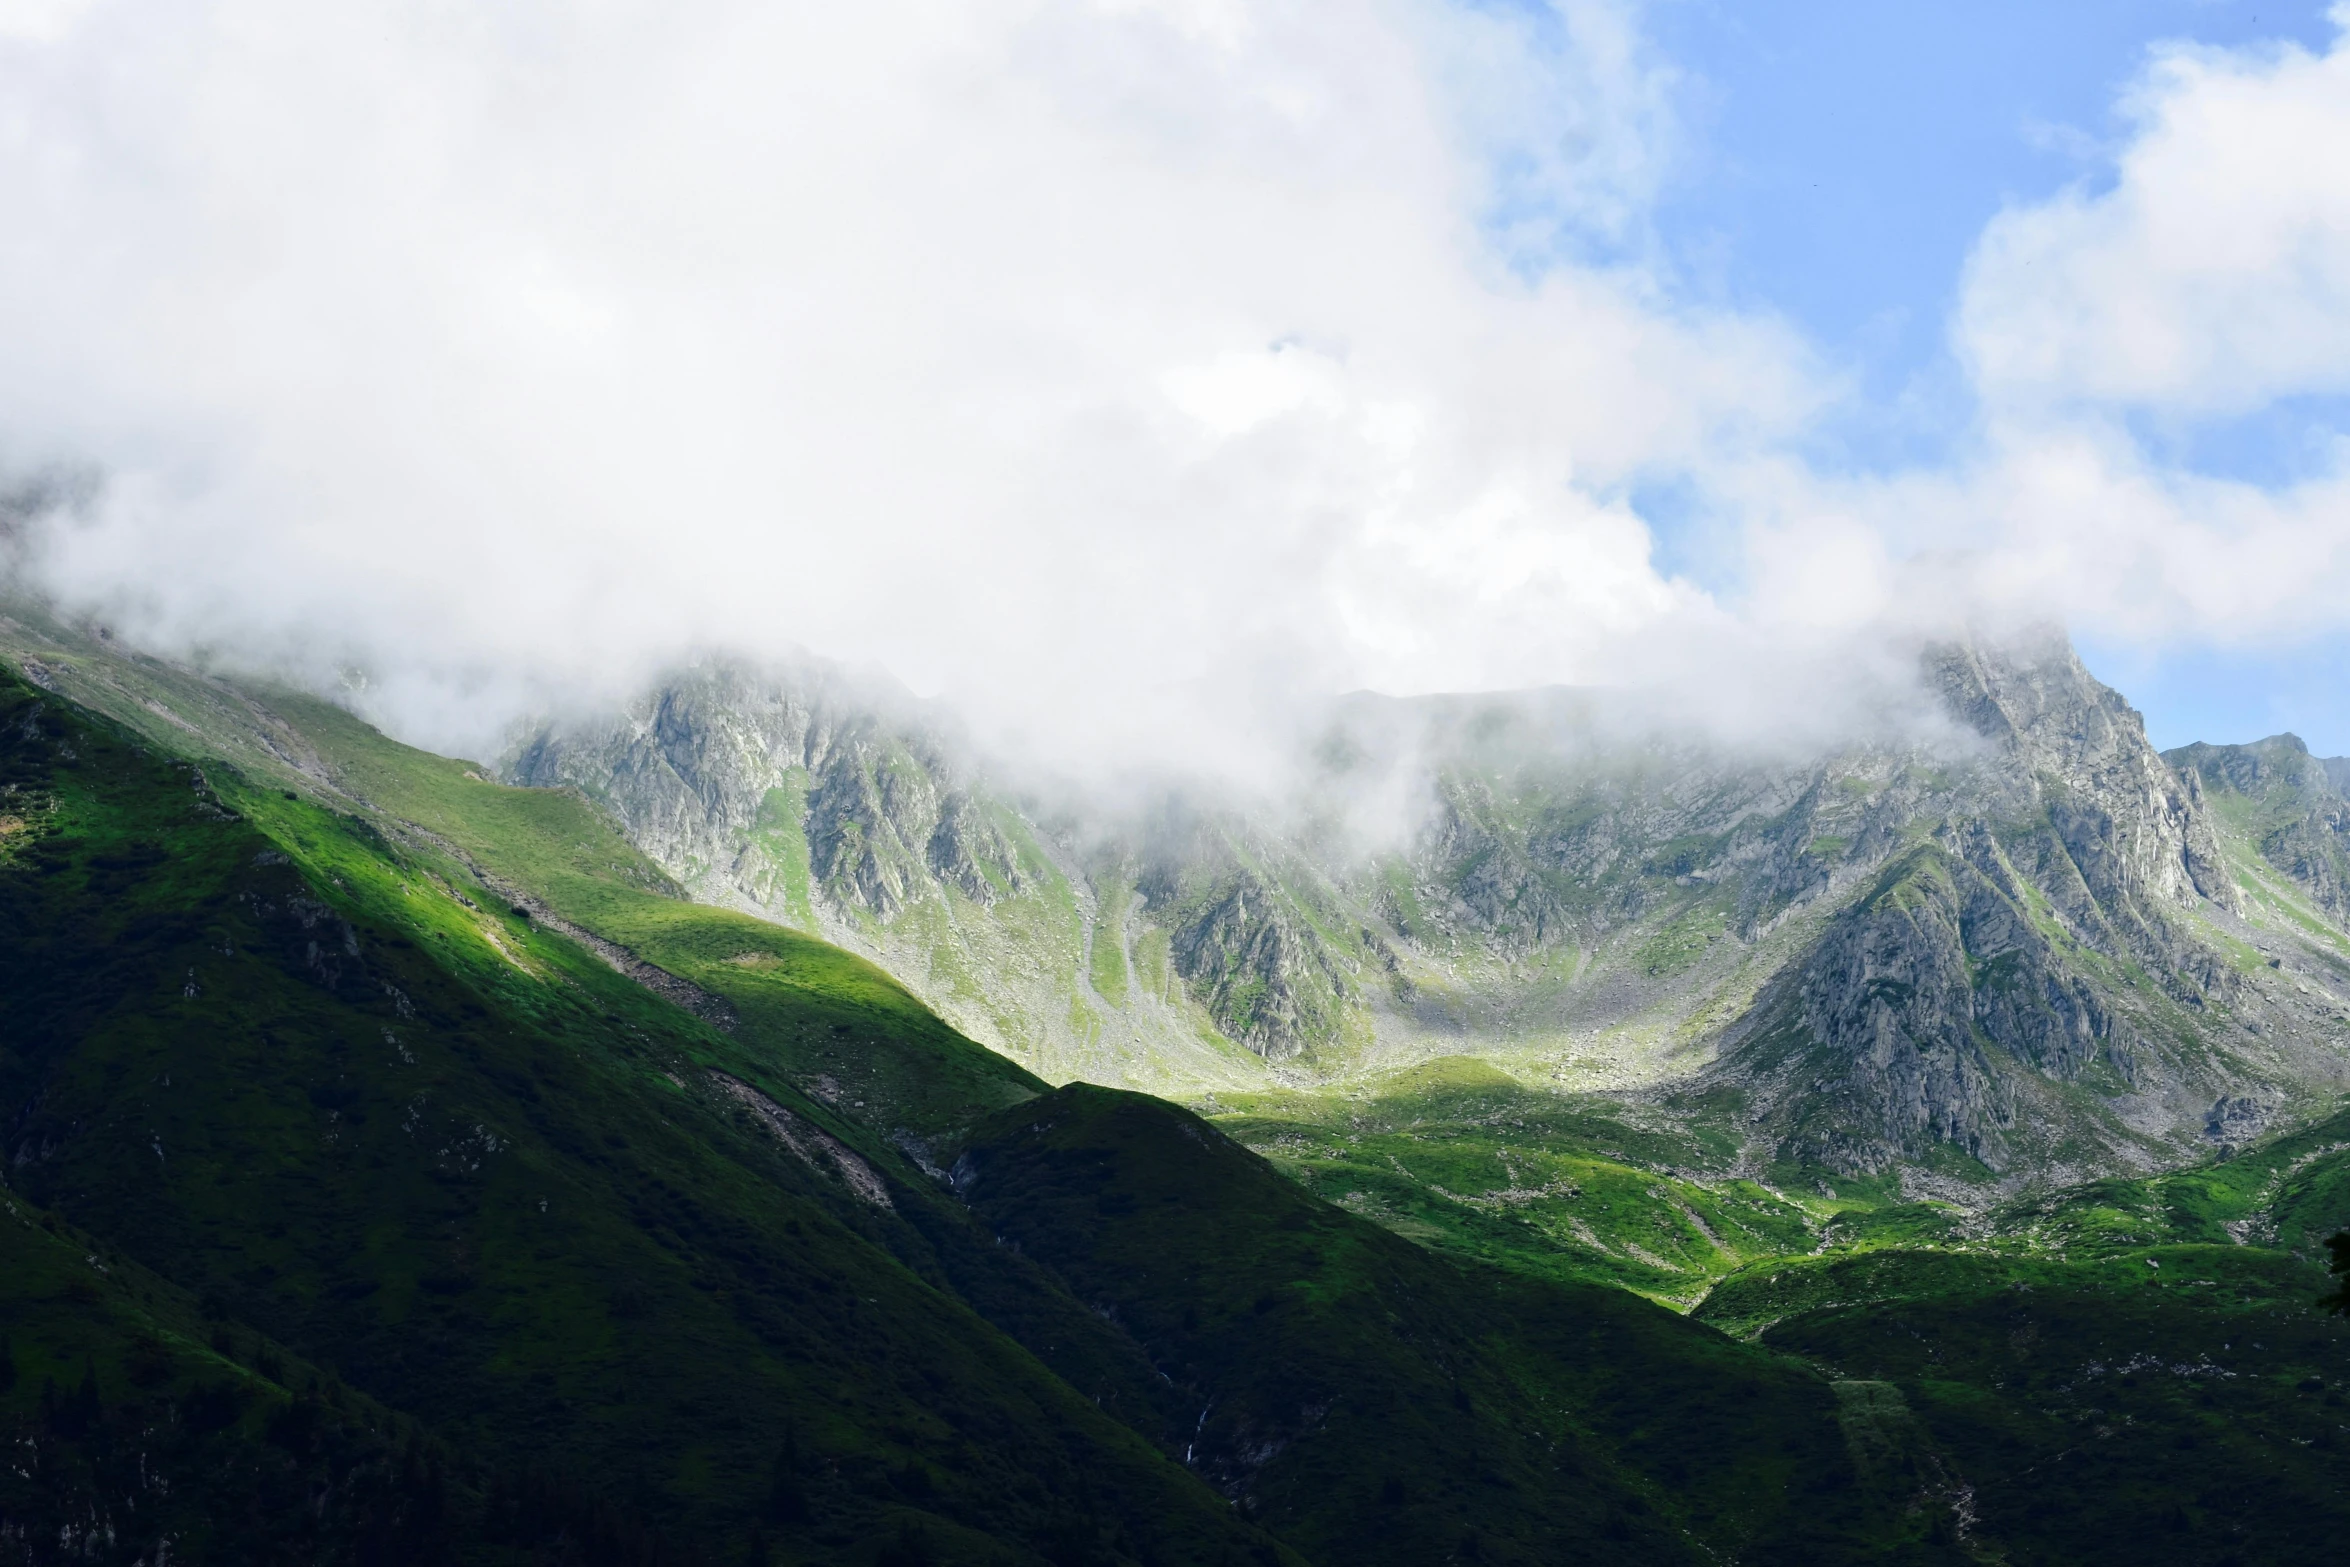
1582	897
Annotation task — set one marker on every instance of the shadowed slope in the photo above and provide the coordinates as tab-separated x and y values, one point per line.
1378	1403
328	1083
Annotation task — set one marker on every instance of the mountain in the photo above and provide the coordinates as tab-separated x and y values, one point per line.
346	1094
629	1216
2002	947
2287	818
399	1167
798	797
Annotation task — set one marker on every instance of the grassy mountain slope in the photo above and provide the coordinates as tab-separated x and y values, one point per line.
2127	1368
1999	948
551	849
132	1419
581	1222
1340	1372
824	1012
2172	1403
1462	1157
331	1085
2015	956
2122	1370
836	809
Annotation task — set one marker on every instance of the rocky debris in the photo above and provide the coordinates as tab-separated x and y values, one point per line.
710	1007
811	1145
2236	1119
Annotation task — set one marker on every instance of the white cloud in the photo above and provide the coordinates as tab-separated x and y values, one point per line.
1062	354
1240	390
2211	276
2206	279
1047	353
2069	522
39	21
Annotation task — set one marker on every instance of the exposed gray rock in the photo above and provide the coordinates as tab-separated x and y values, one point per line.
2295	810
699	767
1258	966
1991	941
972	854
1922	1009
2035	941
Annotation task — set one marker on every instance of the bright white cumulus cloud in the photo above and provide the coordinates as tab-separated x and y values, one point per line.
2202	278
1058	356
1048	354
2210	274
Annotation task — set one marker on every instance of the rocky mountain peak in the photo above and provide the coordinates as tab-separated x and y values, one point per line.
2079	751
2288	810
2030	693
2280	761
1899	951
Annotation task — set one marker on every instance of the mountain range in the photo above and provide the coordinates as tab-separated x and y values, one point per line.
747	1125
2012	946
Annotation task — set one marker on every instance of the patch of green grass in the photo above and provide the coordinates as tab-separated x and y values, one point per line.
1382	1404
330	1082
1106	962
781	837
1459	1155
822	1012
1682	942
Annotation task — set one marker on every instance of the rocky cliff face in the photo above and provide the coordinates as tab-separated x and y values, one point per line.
776	790
2015	941
1256	935
850	813
2043	927
2074	752
2288	807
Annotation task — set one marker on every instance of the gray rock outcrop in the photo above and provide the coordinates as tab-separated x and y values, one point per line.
2006	939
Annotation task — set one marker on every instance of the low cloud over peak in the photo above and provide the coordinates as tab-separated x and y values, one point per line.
1103	367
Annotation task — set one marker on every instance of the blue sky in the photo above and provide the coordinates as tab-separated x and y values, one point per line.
1842	159
1847	154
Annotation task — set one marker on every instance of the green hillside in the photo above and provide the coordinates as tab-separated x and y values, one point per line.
2170	1403
1464	1158
399	1170
134	1415
822	1011
330	1086
1379	1403
2122	1370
